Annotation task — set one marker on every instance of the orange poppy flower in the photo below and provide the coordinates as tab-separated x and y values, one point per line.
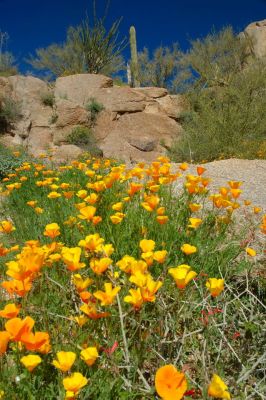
200	170
4	339
162	219
20	288
170	384
52	230
34	341
87	213
6	227
10	311
17	327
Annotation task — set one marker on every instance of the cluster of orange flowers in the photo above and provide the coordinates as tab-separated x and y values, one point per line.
143	182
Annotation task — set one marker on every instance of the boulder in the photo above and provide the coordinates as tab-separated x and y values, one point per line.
27	91
70	114
39	140
139	135
143	143
158	127
66	153
152	92
10	140
104	124
80	87
256	32
23	126
153	107
120	99
173	105
124	152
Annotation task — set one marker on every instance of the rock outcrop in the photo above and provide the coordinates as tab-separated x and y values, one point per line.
256	33
134	124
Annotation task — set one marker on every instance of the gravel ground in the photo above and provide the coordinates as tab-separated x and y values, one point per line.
252	174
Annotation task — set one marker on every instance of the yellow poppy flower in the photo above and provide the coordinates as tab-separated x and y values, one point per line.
135	298
182	275
73	384
215	286
52	230
107	296
147	245
218	389
251	252
188	249
65	360
89	355
31	361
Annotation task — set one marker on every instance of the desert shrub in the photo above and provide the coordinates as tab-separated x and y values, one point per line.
7	61
7	67
83	137
163	68
10	112
48	99
215	59
226	121
89	48
94	107
53	118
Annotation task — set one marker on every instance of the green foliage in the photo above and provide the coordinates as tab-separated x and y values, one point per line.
53	118
216	59
227	98
7	67
94	107
227	121
134	58
83	137
89	48
10	112
163	69
48	99
9	162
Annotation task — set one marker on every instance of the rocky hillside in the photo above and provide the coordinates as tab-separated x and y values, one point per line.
129	124
134	124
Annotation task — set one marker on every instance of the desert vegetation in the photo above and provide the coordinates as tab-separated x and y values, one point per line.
220	77
116	286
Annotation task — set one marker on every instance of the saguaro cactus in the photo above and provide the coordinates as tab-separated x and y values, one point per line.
134	58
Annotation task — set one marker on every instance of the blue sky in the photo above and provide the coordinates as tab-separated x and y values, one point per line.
38	23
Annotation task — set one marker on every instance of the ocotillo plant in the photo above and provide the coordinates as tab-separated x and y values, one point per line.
134	58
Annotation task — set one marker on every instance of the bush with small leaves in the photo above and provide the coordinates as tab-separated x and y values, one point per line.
83	137
10	112
47	98
94	107
53	118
